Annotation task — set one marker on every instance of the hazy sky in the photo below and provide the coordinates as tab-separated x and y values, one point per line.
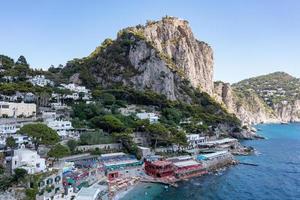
248	37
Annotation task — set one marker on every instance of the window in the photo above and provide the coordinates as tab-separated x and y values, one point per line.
5	106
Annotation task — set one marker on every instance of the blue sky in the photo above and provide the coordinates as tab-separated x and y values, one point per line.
249	38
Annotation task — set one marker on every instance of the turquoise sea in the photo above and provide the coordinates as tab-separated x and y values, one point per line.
277	175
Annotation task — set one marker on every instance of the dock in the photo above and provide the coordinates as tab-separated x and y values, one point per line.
251	164
173	184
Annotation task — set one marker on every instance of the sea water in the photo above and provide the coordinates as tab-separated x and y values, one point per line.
277	175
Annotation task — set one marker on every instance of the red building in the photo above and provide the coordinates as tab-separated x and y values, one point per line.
188	169
159	168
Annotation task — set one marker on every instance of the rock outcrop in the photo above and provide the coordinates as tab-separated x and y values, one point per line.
277	93
247	106
174	38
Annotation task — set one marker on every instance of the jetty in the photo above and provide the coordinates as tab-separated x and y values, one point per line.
251	164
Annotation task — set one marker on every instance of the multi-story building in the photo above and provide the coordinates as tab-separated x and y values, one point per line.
28	160
63	128
158	168
50	185
194	140
11	109
120	165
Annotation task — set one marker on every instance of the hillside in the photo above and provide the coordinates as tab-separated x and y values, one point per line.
162	57
158	64
269	98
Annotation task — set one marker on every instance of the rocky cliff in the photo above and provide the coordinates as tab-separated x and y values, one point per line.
174	38
165	57
157	56
269	98
246	105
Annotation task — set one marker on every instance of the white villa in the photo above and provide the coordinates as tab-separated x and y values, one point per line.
63	128
28	160
75	88
40	80
8	128
195	139
152	117
11	109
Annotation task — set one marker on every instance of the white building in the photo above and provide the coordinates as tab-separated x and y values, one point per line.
21	139
8	128
48	116
28	160
63	128
75	88
11	109
194	140
152	117
40	80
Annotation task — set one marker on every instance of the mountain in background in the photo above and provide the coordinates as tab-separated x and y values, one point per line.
269	98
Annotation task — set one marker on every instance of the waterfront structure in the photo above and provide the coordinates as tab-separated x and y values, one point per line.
41	81
224	143
187	169
215	160
152	117
121	165
158	168
94	192
12	109
28	160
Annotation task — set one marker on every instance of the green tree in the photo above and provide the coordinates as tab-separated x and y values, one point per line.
2	169
96	93
178	137
72	144
19	175
40	134
107	99
22	61
59	151
11	142
108	123
158	132
125	137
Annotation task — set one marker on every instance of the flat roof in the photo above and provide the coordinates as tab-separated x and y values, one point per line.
211	155
161	163
89	193
112	154
180	157
222	141
186	163
144	148
121	162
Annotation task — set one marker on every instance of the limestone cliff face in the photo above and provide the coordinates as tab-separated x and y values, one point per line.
159	56
249	108
152	72
288	112
174	38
